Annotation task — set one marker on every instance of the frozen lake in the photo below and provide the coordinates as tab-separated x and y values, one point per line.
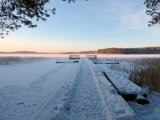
67	90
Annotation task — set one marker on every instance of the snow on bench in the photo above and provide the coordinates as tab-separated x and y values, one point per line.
117	107
124	86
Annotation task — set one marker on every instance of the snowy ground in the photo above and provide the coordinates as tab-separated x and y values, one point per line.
46	90
121	72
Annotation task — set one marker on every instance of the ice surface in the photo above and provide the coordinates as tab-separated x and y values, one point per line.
24	74
22	100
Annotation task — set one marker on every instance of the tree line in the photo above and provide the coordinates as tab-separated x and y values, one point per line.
144	50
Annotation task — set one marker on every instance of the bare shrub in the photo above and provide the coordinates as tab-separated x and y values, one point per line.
147	73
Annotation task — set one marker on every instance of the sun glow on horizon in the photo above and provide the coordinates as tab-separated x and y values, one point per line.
11	45
85	26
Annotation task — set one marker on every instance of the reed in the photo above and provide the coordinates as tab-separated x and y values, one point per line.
14	60
147	73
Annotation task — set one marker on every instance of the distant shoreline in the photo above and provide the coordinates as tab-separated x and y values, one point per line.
105	51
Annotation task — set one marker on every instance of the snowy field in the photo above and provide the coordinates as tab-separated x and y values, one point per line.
57	88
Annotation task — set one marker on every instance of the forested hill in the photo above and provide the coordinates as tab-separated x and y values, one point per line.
145	50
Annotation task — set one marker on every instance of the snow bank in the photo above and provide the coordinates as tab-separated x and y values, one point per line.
124	85
120	78
117	107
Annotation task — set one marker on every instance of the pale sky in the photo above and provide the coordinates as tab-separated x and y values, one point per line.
88	25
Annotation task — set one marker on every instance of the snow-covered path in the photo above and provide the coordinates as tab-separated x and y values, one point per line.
84	102
18	103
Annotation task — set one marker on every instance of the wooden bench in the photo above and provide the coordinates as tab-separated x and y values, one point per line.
74	56
91	56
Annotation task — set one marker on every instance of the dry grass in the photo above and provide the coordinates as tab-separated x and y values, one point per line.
147	74
14	60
